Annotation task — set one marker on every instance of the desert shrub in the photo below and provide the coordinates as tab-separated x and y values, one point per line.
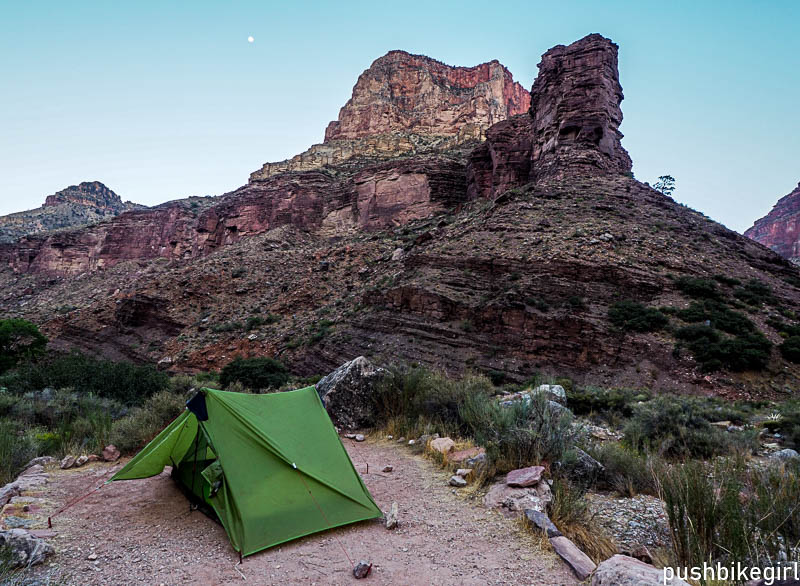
569	512
19	340
254	373
597	400
749	351
697	287
523	433
754	293
625	470
784	329
726	280
122	381
228	326
412	394
719	315
17	447
576	303
143	423
632	316
727	512
673	427
790	349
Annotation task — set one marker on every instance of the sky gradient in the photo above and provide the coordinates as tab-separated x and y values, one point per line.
166	100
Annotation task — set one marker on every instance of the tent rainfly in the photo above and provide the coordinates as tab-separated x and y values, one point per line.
271	467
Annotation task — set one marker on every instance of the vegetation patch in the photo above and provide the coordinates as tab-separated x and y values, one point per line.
713	351
254	373
632	316
697	287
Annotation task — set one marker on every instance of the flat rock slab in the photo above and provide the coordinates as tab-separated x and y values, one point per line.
529	476
541	521
464	455
580	563
511	500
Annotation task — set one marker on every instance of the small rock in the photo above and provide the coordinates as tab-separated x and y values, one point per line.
525	476
91	557
362	569
350	436
388	468
389	437
463	472
392	518
580	563
457	481
398	254
401	440
94	458
67	462
81	460
359	437
111	453
540	520
443	445
477	461
412	442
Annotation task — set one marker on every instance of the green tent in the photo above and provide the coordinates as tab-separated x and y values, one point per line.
272	467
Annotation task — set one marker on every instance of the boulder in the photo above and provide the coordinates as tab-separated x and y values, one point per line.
580	563
24	548
362	569
785	455
554	393
585	469
541	521
622	570
348	391
67	462
512	500
111	453
529	476
388	468
443	445
81	460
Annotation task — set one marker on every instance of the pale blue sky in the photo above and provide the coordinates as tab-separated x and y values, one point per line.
161	100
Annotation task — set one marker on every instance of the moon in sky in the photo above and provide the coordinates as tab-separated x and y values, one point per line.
250	39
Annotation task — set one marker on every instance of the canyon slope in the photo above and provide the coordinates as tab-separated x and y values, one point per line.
466	224
780	228
77	205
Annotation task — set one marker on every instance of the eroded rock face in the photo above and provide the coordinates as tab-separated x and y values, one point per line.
411	104
780	228
417	94
572	127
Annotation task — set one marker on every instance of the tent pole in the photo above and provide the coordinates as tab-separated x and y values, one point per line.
194	464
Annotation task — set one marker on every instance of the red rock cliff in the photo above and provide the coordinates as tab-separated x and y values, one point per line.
401	92
572	127
780	228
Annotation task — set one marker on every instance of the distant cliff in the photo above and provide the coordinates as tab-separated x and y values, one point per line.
77	205
780	228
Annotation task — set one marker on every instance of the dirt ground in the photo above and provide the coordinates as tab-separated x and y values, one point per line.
142	532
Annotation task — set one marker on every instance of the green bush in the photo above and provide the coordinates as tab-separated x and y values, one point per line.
19	340
719	315
674	427
754	293
726	280
697	287
790	349
586	400
255	373
744	352
132	432
122	381
632	316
